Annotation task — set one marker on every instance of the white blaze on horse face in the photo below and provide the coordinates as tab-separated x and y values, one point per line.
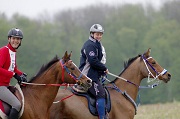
149	58
74	64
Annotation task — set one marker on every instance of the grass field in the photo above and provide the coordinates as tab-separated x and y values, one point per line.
159	111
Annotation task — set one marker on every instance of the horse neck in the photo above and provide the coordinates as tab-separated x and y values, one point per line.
132	74
44	94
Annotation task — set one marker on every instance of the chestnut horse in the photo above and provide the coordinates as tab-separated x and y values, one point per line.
123	105
39	98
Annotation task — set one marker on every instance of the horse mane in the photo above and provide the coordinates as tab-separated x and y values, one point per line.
127	64
45	67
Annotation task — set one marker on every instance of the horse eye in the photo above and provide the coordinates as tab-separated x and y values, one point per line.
73	68
153	62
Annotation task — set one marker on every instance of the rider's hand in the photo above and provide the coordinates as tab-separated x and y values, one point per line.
20	79
16	76
107	71
24	77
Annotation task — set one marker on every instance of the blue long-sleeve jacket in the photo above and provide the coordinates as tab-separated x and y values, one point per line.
93	58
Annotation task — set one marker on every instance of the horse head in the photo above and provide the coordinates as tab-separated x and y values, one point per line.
43	87
153	69
74	72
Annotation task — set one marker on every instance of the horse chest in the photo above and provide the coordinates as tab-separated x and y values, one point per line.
122	108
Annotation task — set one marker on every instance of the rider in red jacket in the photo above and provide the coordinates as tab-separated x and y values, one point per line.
8	69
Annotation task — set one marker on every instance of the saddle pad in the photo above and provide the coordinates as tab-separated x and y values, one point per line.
92	101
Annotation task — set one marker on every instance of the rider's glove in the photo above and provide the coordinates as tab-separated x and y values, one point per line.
20	79
24	77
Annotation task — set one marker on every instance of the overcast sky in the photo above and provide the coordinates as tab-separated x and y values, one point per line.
33	8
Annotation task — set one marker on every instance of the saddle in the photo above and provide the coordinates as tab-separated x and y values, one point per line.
5	108
92	101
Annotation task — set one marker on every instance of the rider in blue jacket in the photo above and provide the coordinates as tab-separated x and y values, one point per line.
92	64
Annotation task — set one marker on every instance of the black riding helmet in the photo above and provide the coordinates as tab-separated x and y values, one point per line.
15	32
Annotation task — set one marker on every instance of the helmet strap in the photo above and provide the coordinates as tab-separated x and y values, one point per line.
18	46
92	34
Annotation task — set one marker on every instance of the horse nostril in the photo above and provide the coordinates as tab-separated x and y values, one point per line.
169	76
78	83
89	81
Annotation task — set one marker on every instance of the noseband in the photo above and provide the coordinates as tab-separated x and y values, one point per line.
149	72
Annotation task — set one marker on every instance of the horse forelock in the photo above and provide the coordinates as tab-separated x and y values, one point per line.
45	67
127	64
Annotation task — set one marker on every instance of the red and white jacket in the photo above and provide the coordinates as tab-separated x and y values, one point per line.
7	65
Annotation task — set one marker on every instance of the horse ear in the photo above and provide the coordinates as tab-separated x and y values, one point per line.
147	53
65	56
70	55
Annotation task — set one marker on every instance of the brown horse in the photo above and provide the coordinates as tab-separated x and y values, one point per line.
122	106
39	98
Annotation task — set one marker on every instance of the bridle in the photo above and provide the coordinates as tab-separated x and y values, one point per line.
64	68
146	62
149	72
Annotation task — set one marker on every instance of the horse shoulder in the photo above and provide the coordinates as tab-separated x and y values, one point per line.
121	108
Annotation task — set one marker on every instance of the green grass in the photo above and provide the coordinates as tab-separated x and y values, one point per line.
159	111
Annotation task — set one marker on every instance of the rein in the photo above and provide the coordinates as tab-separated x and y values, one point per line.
122	79
149	73
140	87
148	86
63	66
63	99
37	84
